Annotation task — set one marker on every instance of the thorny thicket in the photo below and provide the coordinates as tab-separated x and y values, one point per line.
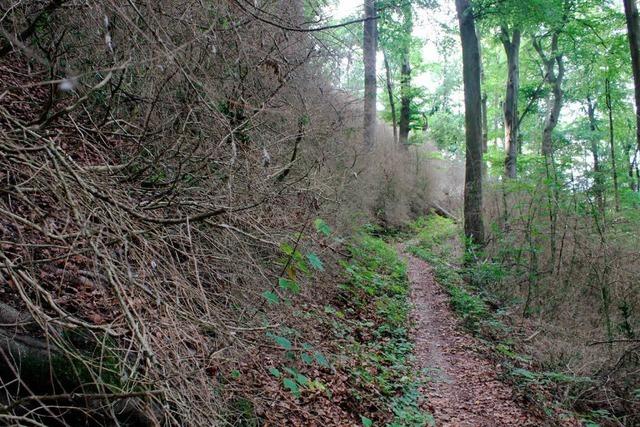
154	157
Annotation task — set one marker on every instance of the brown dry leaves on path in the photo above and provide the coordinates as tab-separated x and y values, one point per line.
463	388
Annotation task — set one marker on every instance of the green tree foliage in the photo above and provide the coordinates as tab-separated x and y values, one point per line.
406	102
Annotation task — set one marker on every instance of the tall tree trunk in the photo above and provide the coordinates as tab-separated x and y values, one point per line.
637	170
511	119
369	48
405	99
632	154
473	223
485	119
554	79
485	124
497	123
636	184
405	74
634	176
614	170
392	102
633	32
598	183
554	105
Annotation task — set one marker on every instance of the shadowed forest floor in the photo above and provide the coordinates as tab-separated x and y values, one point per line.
463	387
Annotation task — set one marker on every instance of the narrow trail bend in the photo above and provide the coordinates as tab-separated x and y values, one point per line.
463	388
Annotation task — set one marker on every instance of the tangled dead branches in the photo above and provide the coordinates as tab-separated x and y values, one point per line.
139	222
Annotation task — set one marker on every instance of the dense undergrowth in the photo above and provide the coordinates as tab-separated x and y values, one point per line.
364	374
555	391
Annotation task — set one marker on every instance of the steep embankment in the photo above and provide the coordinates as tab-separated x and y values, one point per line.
162	166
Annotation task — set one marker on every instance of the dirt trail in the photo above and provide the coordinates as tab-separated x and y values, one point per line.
463	389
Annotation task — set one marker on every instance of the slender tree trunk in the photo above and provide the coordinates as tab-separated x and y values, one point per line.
485	124
369	48
554	103
632	155
392	102
635	162
634	171
637	170
520	143
497	124
473	222
405	75
555	100
405	99
598	183
614	170
633	32
511	117
553	116
483	102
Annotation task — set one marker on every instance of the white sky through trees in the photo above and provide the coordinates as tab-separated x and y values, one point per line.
431	26
428	28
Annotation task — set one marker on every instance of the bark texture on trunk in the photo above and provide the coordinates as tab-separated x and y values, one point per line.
598	181
405	100
511	45
370	47
554	101
631	149
405	75
485	120
633	32
392	101
612	150
485	123
473	222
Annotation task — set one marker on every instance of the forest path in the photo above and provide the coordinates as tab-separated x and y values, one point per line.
463	387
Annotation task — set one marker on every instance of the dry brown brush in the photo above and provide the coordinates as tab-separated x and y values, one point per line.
154	157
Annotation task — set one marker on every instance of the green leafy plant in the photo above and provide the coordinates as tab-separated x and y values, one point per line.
292	386
281	341
366	422
322	227
271	297
289	285
315	261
